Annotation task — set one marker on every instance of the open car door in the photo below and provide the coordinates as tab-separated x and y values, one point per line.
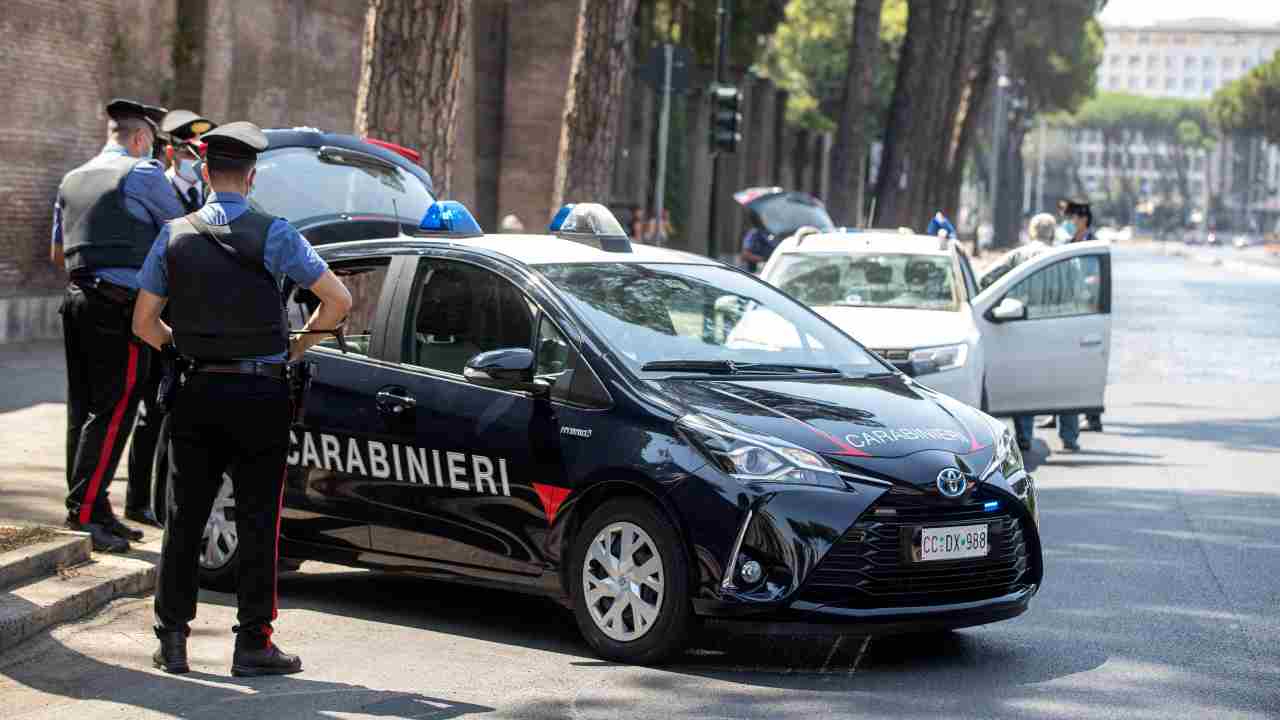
1046	332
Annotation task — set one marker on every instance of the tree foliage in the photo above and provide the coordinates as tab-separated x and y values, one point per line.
1251	104
808	56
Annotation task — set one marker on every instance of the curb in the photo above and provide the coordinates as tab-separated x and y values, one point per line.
31	608
42	559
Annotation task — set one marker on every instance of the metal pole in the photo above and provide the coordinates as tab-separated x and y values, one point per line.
722	41
997	147
1040	167
664	123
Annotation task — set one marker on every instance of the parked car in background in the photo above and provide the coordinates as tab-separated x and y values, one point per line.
915	301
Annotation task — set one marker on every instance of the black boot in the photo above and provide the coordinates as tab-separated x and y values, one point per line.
103	540
172	655
142	515
267	659
119	529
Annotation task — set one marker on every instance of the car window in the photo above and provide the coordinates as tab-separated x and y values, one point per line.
462	310
653	312
563	368
366	280
335	186
901	280
1067	287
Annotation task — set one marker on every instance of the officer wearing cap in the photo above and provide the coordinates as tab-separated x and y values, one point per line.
183	129
231	413
180	131
106	214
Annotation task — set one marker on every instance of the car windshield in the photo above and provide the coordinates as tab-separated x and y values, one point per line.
899	280
704	318
336	185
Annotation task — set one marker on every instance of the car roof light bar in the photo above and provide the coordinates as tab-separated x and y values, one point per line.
450	218
590	224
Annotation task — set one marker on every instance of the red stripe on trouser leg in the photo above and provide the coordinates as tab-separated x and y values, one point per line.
275	594
113	429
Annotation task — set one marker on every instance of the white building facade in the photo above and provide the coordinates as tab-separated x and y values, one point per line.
1188	59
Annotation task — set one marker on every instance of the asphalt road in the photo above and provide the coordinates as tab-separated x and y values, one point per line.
1161	595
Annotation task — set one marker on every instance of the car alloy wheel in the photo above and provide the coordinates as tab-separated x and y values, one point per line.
220	541
623	582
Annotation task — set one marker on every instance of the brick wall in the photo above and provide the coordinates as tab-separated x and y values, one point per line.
58	65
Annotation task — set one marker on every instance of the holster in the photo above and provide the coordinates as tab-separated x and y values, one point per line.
176	367
299	377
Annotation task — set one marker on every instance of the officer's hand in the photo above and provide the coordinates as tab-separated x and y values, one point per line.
296	348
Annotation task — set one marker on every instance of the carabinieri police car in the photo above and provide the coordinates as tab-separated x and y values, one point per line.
650	437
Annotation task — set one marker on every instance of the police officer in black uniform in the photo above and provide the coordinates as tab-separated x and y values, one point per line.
107	214
180	132
219	270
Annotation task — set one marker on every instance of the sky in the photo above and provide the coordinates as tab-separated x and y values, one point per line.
1144	12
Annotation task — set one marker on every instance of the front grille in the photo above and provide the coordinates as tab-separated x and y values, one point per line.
870	566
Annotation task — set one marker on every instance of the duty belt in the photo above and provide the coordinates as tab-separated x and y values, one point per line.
277	370
115	293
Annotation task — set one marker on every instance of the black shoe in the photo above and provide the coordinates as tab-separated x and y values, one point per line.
270	660
119	529
1049	422
172	655
142	515
1070	446
103	540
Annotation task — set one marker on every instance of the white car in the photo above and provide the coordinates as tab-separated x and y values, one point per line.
1035	340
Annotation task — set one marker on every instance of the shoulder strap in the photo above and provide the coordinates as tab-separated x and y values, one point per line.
249	263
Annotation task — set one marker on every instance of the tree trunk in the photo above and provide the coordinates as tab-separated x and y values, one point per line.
411	77
594	103
849	154
894	161
970	112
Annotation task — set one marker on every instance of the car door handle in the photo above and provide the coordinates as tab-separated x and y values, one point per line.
395	400
1090	340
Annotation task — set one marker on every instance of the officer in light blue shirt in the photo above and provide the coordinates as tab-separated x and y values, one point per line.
287	253
148	198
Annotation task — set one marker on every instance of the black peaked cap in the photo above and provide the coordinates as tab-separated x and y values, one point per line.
235	141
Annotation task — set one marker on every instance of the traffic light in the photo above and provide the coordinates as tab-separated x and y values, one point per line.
725	118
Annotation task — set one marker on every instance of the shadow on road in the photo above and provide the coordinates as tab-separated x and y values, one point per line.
1251	434
62	671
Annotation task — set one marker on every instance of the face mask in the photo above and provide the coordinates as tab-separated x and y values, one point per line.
1069	228
186	169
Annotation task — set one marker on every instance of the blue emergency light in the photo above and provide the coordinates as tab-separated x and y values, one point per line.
450	217
590	224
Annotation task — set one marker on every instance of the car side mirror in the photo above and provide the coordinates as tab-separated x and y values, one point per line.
1009	309
504	369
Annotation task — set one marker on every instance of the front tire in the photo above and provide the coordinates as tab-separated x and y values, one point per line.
630	583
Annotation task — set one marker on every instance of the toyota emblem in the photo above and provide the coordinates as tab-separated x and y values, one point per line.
951	482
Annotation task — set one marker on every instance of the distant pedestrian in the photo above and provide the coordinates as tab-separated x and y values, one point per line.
655	233
1041	231
1077	226
107	213
758	244
511	224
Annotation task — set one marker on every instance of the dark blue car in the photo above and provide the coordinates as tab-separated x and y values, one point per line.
650	437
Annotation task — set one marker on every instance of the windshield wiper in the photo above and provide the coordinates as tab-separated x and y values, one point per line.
725	367
784	367
729	367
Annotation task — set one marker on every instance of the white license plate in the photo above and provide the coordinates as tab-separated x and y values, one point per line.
953	543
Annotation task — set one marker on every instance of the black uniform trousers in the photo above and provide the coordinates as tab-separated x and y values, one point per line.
237	424
146	434
106	366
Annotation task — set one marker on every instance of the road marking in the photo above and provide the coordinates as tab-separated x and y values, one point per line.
866	642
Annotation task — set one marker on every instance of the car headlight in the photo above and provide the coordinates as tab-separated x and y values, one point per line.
753	458
1008	456
937	359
